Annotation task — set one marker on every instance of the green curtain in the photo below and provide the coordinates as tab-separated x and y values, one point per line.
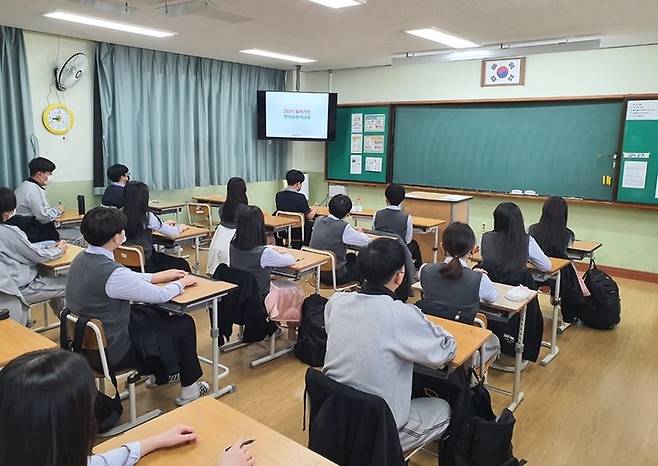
17	141
180	121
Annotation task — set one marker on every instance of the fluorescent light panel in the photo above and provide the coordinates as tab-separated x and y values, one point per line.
338	3
108	24
443	38
278	56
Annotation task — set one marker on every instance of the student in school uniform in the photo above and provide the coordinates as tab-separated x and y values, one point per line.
334	234
554	237
249	251
373	341
392	219
292	200
103	289
452	289
31	201
19	258
505	252
236	202
119	176
48	398
141	225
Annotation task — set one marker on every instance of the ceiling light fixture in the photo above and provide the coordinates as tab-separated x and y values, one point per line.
108	24
339	3
278	56
442	38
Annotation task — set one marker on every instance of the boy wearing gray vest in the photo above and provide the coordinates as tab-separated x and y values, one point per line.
374	340
334	234
100	288
392	219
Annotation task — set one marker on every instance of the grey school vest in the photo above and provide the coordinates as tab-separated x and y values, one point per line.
85	296
328	235
460	293
249	261
391	221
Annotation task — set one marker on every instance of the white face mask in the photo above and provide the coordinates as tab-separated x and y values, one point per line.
11	214
123	238
50	179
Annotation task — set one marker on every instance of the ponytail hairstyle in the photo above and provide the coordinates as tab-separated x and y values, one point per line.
458	240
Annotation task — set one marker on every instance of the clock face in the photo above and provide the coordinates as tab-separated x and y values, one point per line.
57	119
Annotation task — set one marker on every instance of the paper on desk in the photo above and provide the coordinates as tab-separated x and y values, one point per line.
357	143
635	175
355	165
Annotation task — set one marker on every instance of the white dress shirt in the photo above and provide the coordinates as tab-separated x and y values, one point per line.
537	256
155	224
488	292
352	237
272	258
126	455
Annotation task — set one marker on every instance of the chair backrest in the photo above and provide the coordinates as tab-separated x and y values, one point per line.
298	215
330	265
130	256
93	343
200	215
220	246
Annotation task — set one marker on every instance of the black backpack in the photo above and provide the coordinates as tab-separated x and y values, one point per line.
311	343
603	311
107	410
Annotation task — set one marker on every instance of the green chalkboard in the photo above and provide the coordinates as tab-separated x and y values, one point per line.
373	150
639	160
552	148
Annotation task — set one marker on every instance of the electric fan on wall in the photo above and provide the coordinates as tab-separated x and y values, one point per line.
70	71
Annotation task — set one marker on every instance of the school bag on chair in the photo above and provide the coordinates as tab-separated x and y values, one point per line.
603	311
311	343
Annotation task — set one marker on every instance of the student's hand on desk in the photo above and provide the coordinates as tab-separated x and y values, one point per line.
170	222
62	246
236	455
178	435
168	276
188	280
182	227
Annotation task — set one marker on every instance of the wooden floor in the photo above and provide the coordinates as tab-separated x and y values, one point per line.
596	404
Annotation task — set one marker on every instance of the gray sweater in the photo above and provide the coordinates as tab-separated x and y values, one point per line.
373	343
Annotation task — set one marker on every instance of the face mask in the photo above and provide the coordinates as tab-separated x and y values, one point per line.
50	179
11	214
123	238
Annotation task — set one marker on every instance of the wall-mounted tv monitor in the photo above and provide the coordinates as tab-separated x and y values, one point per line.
299	116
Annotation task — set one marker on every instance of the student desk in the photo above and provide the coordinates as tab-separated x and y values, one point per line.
16	340
469	338
166	208
191	234
69	218
557	265
278	223
214	200
581	249
57	266
217	425
306	262
505	309
204	292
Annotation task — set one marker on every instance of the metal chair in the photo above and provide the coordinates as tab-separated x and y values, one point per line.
298	215
200	215
130	256
330	266
93	349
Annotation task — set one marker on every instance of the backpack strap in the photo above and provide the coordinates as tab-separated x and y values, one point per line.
64	342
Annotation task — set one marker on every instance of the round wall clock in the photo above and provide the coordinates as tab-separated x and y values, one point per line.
57	118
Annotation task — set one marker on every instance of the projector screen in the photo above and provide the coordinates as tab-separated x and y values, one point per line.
297	115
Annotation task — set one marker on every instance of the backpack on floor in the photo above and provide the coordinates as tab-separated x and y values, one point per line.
311	343
604	309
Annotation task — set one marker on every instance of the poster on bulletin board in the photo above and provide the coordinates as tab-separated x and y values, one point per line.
360	152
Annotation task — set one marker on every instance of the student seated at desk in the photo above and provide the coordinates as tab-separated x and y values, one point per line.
103	289
554	237
452	290
373	341
19	259
119	176
249	252
334	234
292	200
48	398
505	252
141	225
31	201
392	219
236	202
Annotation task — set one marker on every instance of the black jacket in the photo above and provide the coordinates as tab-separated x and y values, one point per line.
242	307
350	427
153	347
113	196
35	231
534	322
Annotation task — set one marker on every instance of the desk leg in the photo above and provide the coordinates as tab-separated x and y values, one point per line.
436	244
318	269
196	254
554	325
216	366
289	236
177	212
517	394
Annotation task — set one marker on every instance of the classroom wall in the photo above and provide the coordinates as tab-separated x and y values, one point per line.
630	237
73	153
